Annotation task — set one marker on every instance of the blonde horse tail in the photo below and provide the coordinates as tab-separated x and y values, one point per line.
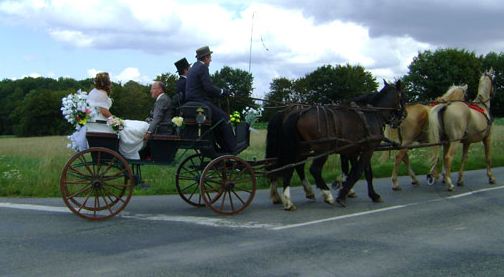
393	135
434	136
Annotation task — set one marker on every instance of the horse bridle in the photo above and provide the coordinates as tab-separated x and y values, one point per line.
398	115
492	88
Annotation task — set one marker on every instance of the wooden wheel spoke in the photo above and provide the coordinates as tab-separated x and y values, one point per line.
109	166
85	163
106	203
193	186
231	201
76	182
223	201
73	195
117	198
85	200
77	172
238	196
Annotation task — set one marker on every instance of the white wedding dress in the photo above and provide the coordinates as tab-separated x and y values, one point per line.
130	138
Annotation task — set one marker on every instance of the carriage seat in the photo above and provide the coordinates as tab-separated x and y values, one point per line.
99	139
191	109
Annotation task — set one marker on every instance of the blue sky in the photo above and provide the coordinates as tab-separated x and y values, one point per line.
137	40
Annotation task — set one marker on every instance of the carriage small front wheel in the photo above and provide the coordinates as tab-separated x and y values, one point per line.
96	183
228	185
188	177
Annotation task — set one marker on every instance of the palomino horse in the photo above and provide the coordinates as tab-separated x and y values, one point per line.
415	128
351	131
466	123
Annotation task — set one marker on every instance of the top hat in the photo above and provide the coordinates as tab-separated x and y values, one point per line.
203	51
181	65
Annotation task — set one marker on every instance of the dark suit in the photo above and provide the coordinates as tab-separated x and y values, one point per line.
199	88
180	88
160	116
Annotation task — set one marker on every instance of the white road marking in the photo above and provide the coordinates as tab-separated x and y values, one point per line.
219	222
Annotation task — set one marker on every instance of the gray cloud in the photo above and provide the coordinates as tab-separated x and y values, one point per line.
473	25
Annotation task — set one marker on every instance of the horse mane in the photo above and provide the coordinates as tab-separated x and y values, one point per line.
454	93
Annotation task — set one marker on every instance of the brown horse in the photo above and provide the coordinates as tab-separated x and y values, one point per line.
415	128
352	131
466	123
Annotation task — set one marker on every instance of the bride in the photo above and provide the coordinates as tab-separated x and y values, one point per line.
131	137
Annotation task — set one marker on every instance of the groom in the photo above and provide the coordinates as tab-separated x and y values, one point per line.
160	116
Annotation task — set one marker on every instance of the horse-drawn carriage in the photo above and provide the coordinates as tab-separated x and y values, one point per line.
98	183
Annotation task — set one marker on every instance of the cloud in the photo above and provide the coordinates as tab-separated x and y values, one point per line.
125	75
289	38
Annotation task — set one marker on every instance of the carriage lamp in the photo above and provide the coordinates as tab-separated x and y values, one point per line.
200	119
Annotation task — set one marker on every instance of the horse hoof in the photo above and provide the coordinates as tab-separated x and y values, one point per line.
352	194
341	202
415	183
377	199
430	180
396	188
311	197
450	188
460	184
276	202
491	181
290	209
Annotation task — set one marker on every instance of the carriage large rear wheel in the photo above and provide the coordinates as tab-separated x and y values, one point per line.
188	177
228	185
96	184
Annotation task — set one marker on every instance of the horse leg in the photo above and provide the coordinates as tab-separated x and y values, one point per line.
316	172
352	162
397	163
306	185
355	173
411	173
275	197
465	150
448	159
345	168
368	172
487	143
433	175
287	202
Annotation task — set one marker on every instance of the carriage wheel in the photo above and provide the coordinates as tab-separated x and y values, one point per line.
188	177
228	185
96	183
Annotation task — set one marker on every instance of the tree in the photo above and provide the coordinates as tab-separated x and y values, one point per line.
496	61
239	83
432	73
169	79
280	93
330	84
39	114
131	100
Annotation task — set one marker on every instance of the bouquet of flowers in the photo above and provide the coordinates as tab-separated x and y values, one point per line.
116	123
177	121
75	109
235	118
251	115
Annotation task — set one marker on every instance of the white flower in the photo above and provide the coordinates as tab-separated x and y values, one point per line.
178	121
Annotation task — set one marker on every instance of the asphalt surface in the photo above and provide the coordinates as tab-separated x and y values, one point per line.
419	231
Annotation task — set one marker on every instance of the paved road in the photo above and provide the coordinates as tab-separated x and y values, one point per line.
420	231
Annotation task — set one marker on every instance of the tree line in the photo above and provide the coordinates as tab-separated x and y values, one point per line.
31	106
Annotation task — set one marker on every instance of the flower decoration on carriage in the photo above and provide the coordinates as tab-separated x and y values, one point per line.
235	118
251	115
116	123
75	109
177	121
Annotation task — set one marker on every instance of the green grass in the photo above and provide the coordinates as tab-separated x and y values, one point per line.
31	167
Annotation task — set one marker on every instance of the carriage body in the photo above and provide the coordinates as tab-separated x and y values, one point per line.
98	183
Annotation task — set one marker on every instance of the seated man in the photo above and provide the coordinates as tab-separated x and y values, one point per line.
160	116
199	88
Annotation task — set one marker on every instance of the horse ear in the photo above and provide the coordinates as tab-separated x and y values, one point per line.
385	82
465	87
398	84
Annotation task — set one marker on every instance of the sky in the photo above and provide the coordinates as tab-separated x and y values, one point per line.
138	40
